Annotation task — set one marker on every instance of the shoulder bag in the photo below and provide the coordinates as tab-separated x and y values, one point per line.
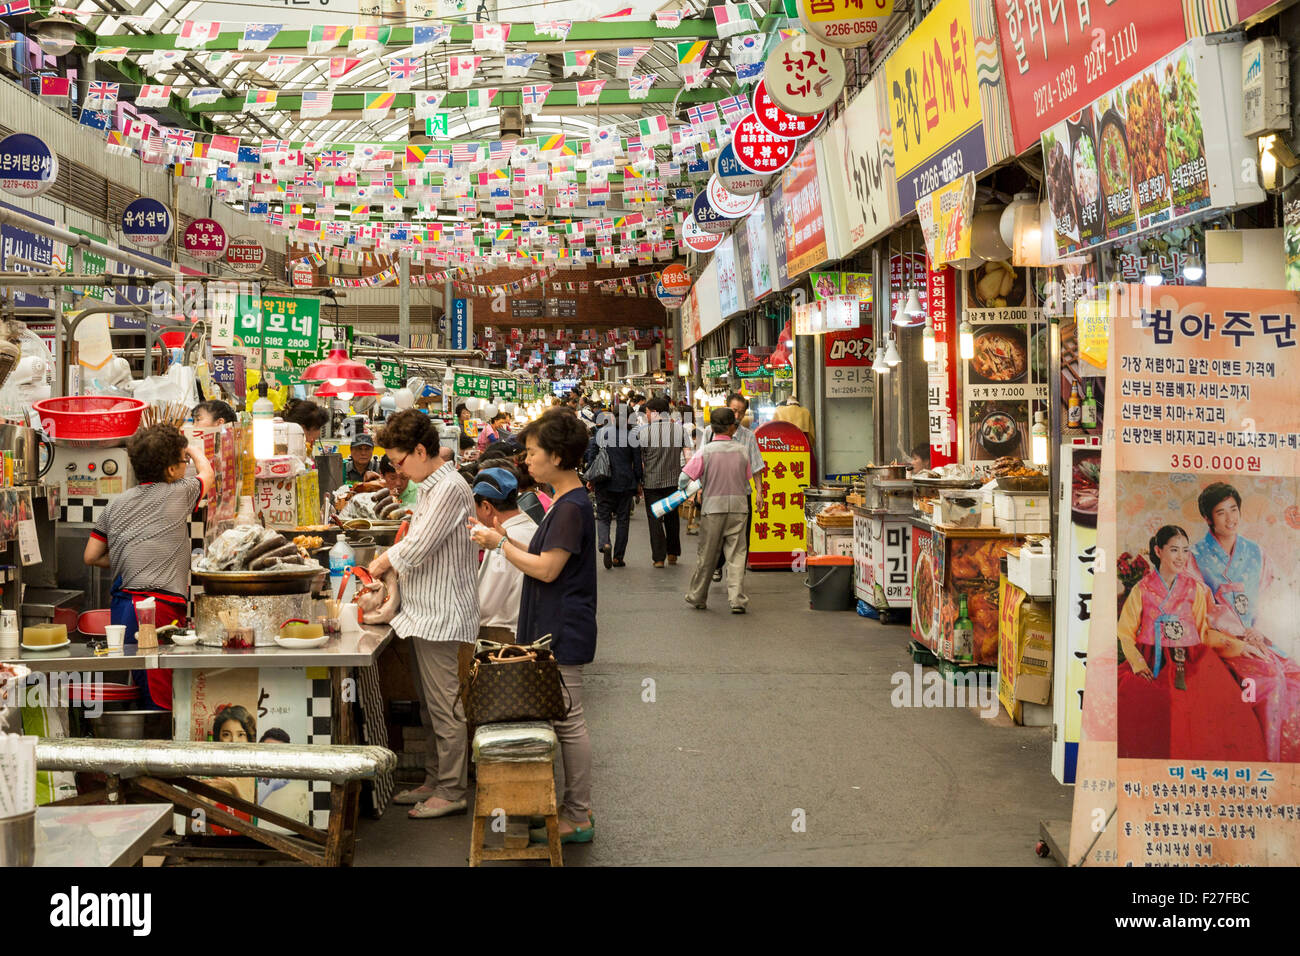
512	682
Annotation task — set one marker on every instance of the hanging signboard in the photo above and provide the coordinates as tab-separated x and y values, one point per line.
861	169
945	216
803	75
1155	150
760	151
1005	382
460	323
146	222
735	178
844	23
805	237
777	532
717	367
727	203
1206	480
947	106
278	322
1057	65
473	386
676	279
730	295
696	239
758	239
303	275
204	240
708	219
245	255
941	306
23	243
780	122
28	167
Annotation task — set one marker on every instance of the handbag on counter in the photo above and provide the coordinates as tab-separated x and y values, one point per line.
513	682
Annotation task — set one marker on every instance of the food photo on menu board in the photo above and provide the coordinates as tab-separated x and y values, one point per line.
1133	159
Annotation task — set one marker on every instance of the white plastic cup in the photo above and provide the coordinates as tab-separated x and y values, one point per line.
116	634
350	619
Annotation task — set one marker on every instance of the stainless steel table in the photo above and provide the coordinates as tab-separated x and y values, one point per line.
348	650
99	836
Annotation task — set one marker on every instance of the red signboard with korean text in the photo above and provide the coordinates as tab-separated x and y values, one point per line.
776	533
941	289
1059	57
758	150
805	223
777	121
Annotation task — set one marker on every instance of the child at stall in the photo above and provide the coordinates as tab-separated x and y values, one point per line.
143	537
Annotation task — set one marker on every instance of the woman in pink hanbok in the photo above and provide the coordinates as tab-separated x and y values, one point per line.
1238	575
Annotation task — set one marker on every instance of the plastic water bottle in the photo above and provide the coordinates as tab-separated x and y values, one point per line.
342	559
674	501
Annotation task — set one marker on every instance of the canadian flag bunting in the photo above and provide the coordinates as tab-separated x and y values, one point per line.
153	96
461	70
195	33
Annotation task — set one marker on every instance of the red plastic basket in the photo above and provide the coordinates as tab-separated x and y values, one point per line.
90	417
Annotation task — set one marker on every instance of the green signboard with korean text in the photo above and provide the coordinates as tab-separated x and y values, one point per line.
394	372
717	367
506	388
475	386
289	323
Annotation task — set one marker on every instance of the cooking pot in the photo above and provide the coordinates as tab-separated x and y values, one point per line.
26	444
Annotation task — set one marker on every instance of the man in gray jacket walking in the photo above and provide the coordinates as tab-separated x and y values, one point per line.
722	467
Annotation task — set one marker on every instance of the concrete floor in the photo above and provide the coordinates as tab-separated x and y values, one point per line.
759	716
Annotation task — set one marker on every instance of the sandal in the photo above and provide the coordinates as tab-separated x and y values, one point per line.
413	796
423	811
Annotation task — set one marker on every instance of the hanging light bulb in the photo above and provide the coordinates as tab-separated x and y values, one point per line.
966	341
879	366
901	317
929	350
892	357
1194	267
913	306
1153	276
1039	436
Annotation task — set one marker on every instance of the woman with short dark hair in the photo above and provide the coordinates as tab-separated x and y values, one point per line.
214	413
559	595
307	415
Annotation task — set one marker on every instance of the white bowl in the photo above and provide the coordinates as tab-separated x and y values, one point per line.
302	643
183	639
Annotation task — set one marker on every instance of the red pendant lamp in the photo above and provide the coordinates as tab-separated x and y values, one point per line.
337	369
356	388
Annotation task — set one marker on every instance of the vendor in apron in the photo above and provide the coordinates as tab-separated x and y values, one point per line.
143	537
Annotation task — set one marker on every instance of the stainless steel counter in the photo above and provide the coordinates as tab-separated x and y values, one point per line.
348	650
98	836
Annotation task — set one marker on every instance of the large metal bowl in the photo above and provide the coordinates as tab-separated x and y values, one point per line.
238	583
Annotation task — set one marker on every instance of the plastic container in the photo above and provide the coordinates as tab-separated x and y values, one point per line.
10	637
830	583
342	559
89	417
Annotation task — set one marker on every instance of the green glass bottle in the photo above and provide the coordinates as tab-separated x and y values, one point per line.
963	635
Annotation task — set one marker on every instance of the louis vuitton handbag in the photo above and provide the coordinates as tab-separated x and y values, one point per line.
511	682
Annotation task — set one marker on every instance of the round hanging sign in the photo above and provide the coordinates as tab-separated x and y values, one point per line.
28	167
676	279
728	203
146	222
244	254
758	150
666	298
804	76
205	240
845	23
735	178
709	219
303	275
696	239
777	121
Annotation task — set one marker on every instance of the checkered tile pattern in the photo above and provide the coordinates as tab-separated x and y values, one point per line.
319	712
82	510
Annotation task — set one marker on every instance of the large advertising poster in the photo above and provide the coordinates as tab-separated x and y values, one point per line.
1206	406
777	531
805	217
1059	56
867	167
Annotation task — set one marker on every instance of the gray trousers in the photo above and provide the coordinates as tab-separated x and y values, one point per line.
435	665
721	534
575	749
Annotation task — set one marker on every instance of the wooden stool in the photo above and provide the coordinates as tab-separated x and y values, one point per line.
523	785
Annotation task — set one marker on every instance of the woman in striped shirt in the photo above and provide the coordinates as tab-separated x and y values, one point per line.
436	567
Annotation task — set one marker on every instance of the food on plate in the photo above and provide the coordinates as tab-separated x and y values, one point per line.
313	528
998	428
1185	142
1000	356
835	509
826	287
1146	134
1086	181
1114	162
997	284
1003	466
1086	484
309	542
923	595
1060	185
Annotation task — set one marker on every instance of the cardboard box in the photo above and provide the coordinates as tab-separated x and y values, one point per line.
1034	673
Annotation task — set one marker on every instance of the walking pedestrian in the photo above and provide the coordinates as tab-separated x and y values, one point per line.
739	406
723	469
559	596
614	495
661	445
439	614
